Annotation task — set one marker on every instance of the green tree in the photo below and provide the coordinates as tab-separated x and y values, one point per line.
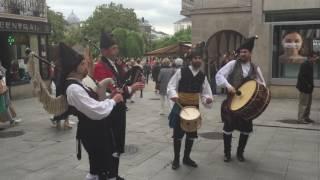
57	24
73	36
134	44
107	17
183	35
120	34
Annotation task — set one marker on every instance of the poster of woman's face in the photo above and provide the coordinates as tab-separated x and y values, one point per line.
292	44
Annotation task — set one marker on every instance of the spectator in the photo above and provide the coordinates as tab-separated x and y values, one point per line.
305	87
155	74
164	77
11	112
146	71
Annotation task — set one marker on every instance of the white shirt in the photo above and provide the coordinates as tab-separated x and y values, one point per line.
80	99
223	74
174	83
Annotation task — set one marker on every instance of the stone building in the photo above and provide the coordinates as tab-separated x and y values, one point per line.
225	24
23	23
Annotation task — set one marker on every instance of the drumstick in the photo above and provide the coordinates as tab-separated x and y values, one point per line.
238	93
182	108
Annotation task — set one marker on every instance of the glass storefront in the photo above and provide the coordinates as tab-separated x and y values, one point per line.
14	59
292	45
18	65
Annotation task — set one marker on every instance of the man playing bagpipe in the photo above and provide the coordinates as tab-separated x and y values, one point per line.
107	68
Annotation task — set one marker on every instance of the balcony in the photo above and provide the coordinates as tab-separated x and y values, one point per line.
34	10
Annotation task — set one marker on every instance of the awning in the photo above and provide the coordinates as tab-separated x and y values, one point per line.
171	50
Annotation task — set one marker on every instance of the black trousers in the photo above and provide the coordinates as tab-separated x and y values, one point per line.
113	166
99	154
232	122
178	132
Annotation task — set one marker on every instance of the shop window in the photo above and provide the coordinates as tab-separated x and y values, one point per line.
292	45
18	65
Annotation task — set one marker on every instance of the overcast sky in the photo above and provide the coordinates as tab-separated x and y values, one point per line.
160	13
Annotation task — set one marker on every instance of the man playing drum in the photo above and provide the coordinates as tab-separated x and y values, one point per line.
231	76
186	86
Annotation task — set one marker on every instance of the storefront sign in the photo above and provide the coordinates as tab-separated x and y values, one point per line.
23	26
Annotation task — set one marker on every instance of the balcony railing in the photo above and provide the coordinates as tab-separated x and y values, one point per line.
34	8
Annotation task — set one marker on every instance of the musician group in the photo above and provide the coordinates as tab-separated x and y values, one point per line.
101	108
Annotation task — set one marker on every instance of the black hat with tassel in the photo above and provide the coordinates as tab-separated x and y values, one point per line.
248	44
106	40
198	50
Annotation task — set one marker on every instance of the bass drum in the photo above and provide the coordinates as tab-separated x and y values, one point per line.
252	100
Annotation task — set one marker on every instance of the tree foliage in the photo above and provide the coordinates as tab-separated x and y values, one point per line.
120	35
122	22
135	45
57	23
107	17
131	43
183	35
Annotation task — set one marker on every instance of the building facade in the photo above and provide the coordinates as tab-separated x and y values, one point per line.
23	24
182	24
157	35
225	24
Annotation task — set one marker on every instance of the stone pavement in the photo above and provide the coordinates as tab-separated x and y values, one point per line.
275	150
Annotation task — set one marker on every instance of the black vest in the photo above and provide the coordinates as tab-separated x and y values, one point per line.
189	83
236	78
86	126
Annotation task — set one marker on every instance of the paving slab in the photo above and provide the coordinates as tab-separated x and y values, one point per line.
275	150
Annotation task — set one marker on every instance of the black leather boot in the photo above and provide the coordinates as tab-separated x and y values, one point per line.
242	144
119	178
176	160
227	139
186	158
103	176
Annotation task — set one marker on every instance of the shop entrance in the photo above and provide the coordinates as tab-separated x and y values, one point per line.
5	55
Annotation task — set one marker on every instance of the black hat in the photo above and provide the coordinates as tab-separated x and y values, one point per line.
198	50
248	44
69	59
106	40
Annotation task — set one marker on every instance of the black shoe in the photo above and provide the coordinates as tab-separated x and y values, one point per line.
175	165
189	162
240	157
303	122
309	120
227	158
119	178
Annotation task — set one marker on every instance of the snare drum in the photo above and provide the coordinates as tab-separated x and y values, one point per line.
190	118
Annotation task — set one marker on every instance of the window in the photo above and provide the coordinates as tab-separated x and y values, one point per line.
18	64
292	45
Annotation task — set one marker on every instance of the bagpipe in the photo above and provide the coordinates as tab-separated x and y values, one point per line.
52	104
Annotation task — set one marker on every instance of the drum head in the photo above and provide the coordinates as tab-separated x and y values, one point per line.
247	91
189	113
